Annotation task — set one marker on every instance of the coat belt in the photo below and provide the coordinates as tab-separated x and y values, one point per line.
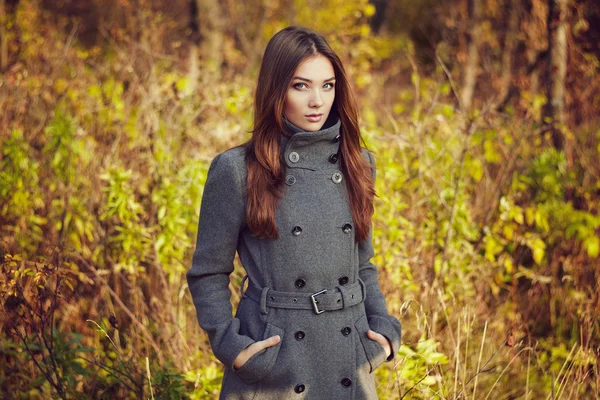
336	298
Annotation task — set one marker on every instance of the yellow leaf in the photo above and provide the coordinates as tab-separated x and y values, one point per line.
541	220
539	249
369	10
508	266
60	85
437	265
529	215
365	30
518	215
398	108
476	170
507	231
592	246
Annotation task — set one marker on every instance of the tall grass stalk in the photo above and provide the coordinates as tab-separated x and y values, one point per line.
149	377
560	388
528	369
457	356
479	361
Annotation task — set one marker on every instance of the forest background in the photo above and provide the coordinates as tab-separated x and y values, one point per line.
484	119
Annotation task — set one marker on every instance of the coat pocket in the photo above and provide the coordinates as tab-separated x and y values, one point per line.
374	351
261	363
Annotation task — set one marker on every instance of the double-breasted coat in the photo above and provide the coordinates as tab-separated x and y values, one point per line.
324	351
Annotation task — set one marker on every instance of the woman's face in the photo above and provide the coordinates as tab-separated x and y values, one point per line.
311	93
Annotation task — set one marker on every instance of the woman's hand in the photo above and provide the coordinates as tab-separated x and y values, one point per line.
254	348
382	340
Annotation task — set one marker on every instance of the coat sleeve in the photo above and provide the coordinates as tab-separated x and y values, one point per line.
379	319
222	215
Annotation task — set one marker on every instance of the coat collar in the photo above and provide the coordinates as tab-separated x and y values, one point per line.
311	150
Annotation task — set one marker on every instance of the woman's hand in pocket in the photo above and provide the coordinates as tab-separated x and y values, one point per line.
254	348
382	340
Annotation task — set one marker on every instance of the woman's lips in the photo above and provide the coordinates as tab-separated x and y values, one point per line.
314	118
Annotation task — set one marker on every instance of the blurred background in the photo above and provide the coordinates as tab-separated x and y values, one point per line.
483	116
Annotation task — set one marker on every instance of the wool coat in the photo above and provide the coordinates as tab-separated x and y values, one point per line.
324	351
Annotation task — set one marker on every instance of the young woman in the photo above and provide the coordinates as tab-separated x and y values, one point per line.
296	202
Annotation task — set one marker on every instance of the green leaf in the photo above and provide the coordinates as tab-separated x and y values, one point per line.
78	369
592	246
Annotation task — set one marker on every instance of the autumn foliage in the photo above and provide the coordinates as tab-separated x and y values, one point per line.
483	118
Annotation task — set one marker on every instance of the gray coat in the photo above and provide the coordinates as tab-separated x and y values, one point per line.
322	354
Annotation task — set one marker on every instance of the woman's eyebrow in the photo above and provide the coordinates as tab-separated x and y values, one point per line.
309	81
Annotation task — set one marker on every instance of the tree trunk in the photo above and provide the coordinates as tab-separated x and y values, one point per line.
248	36
210	22
471	69
535	75
193	67
378	18
3	38
554	111
510	43
559	63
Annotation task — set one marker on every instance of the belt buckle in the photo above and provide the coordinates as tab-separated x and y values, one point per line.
314	302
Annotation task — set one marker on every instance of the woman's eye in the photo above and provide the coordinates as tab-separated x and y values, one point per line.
299	83
331	85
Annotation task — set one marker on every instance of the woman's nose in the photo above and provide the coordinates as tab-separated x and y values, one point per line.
316	100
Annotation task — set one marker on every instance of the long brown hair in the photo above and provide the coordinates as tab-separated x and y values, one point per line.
266	173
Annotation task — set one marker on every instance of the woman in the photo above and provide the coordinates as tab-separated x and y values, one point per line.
296	202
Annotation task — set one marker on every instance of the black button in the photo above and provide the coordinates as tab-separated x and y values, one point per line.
336	138
343	280
299	335
300	283
333	158
346	382
346	330
290	180
299	388
296	230
347	228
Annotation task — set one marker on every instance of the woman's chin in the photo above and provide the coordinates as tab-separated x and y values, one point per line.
312	126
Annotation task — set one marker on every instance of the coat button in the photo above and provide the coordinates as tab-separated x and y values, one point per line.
333	158
336	177
346	330
290	180
294	157
336	138
343	280
347	228
296	230
299	388
299	335
346	382
300	283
